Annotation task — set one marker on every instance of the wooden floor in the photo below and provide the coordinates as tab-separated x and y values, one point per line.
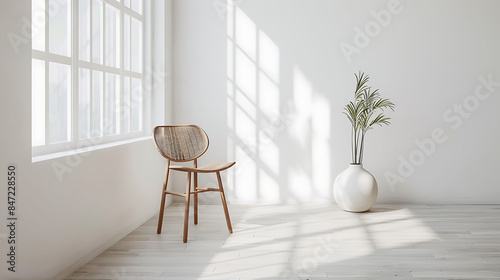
310	242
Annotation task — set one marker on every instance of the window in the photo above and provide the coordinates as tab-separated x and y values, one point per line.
88	62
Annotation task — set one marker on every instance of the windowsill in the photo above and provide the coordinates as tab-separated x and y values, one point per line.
88	149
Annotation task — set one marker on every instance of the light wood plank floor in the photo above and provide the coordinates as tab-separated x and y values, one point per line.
310	242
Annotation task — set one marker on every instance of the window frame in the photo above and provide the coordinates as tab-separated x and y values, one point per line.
75	143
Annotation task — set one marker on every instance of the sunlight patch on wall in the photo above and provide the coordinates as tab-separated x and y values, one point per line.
269	55
300	129
310	132
268	127
253	108
245	76
320	146
245	34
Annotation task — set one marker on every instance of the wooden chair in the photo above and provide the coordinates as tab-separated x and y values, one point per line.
182	143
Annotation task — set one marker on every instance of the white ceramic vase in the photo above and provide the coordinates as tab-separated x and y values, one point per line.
355	189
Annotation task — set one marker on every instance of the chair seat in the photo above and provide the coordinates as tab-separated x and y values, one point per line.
207	168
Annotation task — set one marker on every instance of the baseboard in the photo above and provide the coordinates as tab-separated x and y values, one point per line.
93	254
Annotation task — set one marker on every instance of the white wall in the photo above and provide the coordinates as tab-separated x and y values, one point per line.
64	222
199	83
269	82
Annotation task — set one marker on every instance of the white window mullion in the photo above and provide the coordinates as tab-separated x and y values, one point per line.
133	13
122	85
51	57
142	66
70	98
75	72
91	74
114	3
129	72
104	104
47	123
147	8
102	109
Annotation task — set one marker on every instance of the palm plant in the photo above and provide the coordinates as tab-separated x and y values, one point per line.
364	112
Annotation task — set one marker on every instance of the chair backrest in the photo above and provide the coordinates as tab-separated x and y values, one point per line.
180	142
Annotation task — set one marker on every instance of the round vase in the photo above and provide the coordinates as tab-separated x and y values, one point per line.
355	189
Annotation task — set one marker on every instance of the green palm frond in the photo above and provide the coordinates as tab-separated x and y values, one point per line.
361	86
380	120
384	103
360	113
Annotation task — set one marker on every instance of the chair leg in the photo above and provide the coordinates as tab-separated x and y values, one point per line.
186	211
163	196
224	204
195	202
